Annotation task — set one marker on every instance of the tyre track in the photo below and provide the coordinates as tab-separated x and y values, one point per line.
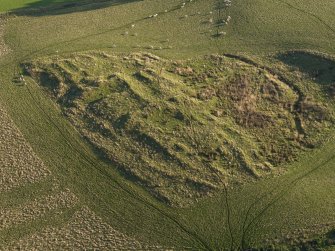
232	240
118	185
245	226
92	35
329	27
281	195
219	8
296	106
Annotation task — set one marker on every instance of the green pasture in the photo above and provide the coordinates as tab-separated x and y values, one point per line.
258	214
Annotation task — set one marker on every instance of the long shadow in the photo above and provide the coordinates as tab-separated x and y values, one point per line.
55	7
320	68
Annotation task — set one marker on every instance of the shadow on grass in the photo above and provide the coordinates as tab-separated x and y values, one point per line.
318	67
59	7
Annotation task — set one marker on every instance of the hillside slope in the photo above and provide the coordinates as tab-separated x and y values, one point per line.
286	211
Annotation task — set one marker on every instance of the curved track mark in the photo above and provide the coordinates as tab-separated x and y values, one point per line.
220	13
283	193
310	14
232	244
245	226
196	237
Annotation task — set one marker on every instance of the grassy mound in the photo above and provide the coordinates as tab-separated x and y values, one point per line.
183	129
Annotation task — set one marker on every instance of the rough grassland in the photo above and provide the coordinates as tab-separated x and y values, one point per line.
275	212
185	129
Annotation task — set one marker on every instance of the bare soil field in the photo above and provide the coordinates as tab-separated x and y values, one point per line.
19	164
85	231
36	208
3	47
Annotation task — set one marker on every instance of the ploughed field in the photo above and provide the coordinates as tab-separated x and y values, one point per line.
185	129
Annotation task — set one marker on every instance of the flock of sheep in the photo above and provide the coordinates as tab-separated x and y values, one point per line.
221	22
